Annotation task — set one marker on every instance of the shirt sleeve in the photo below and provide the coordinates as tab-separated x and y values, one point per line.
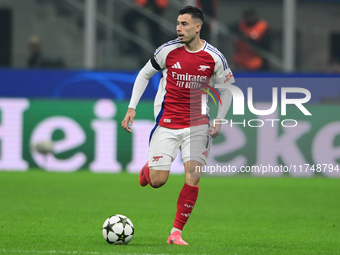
142	81
223	75
226	98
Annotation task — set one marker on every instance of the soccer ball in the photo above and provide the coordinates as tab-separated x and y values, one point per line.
118	229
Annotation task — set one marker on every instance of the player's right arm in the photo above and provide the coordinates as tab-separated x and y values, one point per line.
128	120
139	87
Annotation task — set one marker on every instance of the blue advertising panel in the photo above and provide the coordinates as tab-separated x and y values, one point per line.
71	84
84	84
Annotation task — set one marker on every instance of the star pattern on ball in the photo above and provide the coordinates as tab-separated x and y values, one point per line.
108	228
122	236
123	221
118	229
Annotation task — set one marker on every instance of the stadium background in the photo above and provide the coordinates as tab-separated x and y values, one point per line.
80	108
96	69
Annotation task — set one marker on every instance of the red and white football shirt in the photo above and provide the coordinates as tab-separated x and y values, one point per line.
178	101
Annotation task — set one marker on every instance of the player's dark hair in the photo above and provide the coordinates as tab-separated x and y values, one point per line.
195	12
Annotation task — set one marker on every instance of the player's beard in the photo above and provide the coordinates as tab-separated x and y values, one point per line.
190	40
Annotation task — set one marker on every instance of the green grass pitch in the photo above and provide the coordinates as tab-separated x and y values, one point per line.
62	213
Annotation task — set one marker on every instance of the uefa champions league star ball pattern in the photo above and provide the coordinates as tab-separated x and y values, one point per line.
118	229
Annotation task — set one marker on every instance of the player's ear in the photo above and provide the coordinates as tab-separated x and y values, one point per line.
198	27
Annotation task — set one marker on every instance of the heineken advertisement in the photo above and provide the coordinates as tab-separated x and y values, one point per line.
69	135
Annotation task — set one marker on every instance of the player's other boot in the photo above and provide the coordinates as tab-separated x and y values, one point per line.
142	179
175	238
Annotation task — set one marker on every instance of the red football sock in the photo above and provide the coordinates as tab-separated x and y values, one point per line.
186	201
147	174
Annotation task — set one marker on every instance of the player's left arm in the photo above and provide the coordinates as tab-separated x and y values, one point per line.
226	96
224	76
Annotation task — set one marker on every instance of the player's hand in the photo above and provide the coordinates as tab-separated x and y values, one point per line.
214	131
128	120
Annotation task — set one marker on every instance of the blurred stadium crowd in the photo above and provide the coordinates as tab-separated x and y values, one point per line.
50	33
